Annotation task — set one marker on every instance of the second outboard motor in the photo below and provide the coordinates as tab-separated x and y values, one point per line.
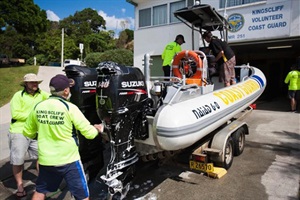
122	102
84	96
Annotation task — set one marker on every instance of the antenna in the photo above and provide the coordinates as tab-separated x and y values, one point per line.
225	13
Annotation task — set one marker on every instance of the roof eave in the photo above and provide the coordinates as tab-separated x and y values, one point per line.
132	2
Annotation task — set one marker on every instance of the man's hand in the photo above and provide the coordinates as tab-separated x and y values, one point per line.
99	127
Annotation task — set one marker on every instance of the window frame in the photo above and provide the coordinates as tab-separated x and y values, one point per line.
170	11
152	20
146	24
233	3
154	15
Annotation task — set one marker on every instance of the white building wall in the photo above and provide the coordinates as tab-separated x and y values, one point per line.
153	39
295	18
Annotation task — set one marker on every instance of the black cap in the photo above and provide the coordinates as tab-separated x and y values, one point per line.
207	34
61	82
180	37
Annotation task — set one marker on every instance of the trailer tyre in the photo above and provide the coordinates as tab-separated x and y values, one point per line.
227	155
238	141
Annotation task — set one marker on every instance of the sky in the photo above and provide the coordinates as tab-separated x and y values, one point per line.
113	11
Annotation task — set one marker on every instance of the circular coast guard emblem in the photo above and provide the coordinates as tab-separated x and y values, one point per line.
236	22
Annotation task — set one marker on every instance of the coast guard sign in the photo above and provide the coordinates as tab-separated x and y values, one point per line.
236	22
260	22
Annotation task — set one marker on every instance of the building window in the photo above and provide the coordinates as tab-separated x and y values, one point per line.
145	17
231	3
160	15
173	7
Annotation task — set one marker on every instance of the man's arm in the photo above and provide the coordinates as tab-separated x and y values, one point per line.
82	124
17	113
163	54
287	78
220	54
30	127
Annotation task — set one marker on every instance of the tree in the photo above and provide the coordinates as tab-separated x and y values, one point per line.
24	16
125	39
83	23
129	34
98	42
88	27
20	22
49	44
25	32
121	56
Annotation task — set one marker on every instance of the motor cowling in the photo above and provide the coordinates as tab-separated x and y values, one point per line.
122	92
122	103
84	96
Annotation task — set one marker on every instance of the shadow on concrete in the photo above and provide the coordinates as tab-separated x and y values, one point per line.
279	104
8	182
148	176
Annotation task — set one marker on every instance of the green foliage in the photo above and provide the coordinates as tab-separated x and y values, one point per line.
34	35
20	23
41	59
121	56
125	38
82	23
26	17
98	42
71	50
121	42
49	44
10	81
92	59
129	35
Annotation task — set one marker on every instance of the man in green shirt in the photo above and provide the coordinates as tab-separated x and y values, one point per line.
56	121
21	105
169	52
293	79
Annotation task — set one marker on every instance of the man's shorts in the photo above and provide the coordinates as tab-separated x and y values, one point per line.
19	145
50	177
227	72
293	94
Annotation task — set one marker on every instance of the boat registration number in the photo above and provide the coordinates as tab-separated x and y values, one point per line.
204	167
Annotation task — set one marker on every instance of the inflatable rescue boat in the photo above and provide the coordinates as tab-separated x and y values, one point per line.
152	116
190	112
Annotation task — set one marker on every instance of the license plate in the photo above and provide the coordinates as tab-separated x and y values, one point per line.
204	167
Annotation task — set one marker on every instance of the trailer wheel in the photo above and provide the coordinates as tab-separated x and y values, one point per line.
238	141
227	155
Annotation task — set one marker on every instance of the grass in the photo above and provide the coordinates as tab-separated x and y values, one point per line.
10	79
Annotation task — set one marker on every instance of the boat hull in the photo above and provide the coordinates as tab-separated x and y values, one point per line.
179	125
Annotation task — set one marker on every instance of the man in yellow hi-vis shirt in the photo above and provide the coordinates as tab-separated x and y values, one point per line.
21	105
293	79
55	120
169	52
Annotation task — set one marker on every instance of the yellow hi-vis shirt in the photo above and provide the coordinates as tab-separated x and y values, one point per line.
169	52
54	120
293	79
21	105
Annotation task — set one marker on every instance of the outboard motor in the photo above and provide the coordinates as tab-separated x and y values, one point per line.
84	96
123	103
